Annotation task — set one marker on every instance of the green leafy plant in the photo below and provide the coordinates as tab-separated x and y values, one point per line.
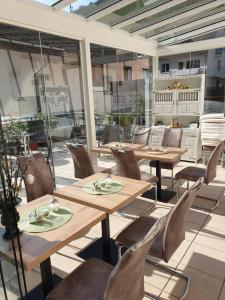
13	129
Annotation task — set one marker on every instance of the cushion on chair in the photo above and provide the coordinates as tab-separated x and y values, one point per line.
190	173
165	165
87	282
136	232
148	178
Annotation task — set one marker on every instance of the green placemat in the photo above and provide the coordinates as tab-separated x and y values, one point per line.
53	221
115	187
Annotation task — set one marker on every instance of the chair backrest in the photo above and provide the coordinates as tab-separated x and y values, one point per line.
126	164
211	168
172	137
37	176
81	160
126	282
141	135
174	232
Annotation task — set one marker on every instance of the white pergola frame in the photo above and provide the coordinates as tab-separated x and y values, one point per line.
33	15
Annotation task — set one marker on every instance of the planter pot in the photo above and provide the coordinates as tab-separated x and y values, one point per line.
33	146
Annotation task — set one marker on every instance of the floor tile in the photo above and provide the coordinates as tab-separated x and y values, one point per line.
206	260
202	286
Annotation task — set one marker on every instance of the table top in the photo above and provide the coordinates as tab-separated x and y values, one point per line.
125	145
143	153
108	203
36	247
106	148
175	150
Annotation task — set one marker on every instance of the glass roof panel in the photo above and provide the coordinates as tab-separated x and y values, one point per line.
166	14
191	29
48	2
210	35
131	10
176	26
86	8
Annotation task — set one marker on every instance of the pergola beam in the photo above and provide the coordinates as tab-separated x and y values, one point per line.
192	47
62	4
186	14
193	33
150	12
188	25
108	9
27	14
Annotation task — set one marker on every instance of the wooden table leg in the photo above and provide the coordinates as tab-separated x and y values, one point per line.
46	275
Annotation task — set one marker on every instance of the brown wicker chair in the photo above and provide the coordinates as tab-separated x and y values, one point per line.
171	138
37	176
171	236
127	166
141	135
208	173
82	163
98	280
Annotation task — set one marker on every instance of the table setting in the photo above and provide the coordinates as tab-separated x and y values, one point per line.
44	218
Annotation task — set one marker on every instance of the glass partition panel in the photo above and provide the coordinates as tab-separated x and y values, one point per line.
63	92
209	62
41	102
122	92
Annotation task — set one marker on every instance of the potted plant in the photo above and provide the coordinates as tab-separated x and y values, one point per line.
10	184
13	131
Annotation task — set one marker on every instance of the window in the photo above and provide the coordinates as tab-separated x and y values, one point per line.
197	63
219	62
127	73
189	64
218	51
165	68
193	64
180	65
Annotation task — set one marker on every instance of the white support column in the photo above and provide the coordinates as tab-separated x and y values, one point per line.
155	74
88	95
155	67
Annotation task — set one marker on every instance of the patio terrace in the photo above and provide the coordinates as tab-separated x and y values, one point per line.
201	254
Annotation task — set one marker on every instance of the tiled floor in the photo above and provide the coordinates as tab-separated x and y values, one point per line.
201	254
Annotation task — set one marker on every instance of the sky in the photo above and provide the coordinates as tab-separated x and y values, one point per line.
76	4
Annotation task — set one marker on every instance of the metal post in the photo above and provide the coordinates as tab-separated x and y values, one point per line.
106	239
158	174
46	275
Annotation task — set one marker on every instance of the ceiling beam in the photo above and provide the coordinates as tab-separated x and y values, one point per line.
62	4
193	33
25	14
139	15
192	47
108	9
188	25
181	16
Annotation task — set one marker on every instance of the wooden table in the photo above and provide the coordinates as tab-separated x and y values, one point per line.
107	203
38	247
143	153
106	148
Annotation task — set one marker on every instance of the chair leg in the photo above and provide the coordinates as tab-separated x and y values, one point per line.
172	178
120	251
186	278
150	170
187	184
156	193
177	188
